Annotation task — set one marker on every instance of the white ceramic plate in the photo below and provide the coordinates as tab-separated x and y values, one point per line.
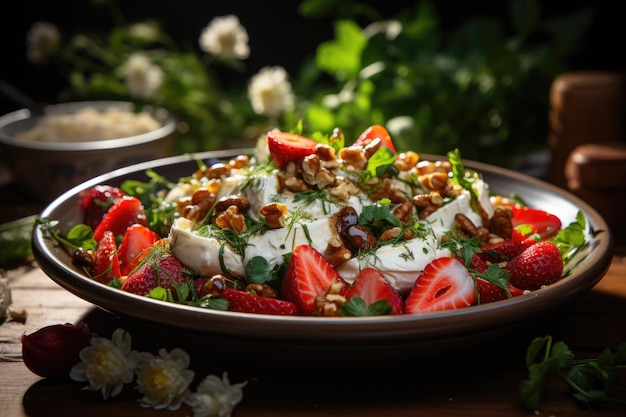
397	335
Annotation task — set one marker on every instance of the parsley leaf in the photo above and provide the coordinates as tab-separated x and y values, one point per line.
592	381
378	216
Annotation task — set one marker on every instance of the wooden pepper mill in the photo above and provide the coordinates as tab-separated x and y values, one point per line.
588	143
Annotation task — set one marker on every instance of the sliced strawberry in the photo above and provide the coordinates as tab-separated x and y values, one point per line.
376	132
540	264
536	221
287	147
505	251
161	243
161	268
125	212
372	286
106	261
489	292
309	275
97	201
136	238
247	302
445	284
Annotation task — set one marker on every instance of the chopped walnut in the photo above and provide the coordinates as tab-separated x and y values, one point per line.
353	158
501	222
241	202
344	189
328	304
199	205
274	214
263	290
405	161
239	162
390	234
231	219
217	171
435	181
336	253
403	212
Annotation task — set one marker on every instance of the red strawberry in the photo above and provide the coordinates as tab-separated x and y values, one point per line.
371	285
489	292
287	147
106	261
97	201
540	264
136	238
308	275
535	221
247	302
477	263
505	251
376	132
125	212
445	284
161	268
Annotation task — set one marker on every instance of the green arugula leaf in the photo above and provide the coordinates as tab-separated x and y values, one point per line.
572	238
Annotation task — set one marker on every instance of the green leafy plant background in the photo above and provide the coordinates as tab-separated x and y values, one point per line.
483	88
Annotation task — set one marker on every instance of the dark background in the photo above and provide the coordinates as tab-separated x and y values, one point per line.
278	35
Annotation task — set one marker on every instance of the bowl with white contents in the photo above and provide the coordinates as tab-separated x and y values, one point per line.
72	142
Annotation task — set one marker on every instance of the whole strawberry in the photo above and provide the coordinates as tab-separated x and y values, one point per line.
538	265
97	201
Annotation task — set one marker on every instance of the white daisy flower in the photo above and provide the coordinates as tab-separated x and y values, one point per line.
143	78
215	397
107	364
164	379
270	91
225	37
42	41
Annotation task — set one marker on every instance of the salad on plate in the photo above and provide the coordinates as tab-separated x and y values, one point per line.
311	226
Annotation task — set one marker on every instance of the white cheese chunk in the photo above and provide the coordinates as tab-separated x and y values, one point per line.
204	255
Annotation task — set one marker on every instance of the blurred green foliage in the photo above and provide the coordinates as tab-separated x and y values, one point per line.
483	88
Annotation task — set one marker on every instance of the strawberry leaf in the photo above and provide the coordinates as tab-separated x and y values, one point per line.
356	307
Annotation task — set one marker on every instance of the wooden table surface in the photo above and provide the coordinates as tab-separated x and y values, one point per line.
478	381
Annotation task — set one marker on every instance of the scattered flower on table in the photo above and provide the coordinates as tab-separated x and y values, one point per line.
107	364
143	78
164	379
225	38
270	91
215	397
43	40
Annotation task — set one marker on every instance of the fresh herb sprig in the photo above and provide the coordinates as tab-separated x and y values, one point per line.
592	381
78	237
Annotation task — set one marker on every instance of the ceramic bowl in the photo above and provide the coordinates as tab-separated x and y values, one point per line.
43	169
400	336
